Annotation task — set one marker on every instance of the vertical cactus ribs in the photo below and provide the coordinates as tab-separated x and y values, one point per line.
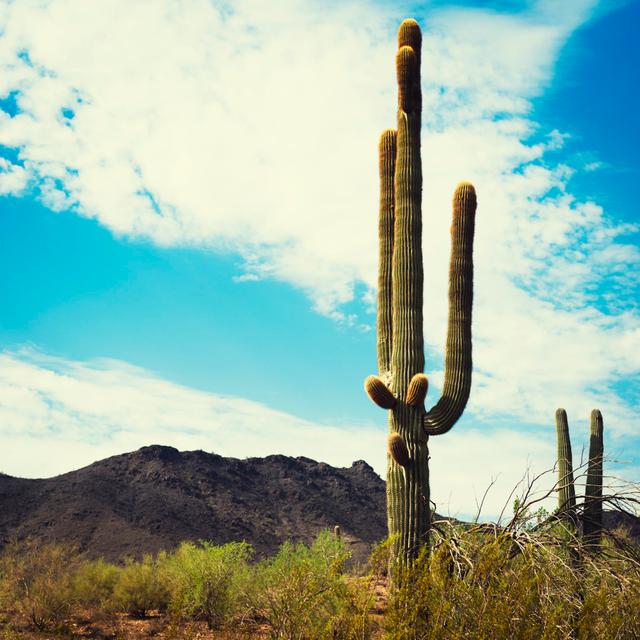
401	385
592	507
592	522
566	487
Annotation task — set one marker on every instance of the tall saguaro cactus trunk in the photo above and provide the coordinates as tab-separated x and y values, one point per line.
401	385
592	522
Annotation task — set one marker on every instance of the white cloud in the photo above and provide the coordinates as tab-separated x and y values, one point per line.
57	415
13	178
252	128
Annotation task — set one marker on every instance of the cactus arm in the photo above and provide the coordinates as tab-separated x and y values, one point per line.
387	167
566	486
378	391
458	363
376	387
397	449
417	390
592	522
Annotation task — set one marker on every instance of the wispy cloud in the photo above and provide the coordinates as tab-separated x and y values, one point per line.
111	406
251	128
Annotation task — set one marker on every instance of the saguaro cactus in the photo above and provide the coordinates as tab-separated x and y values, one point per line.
566	486
401	385
592	507
592	521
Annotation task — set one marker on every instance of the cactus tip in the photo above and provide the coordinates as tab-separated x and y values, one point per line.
465	196
388	135
406	56
407	71
409	34
465	186
388	141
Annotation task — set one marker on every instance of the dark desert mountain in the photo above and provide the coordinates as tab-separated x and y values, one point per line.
156	497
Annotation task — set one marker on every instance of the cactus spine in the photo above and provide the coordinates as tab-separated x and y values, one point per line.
592	507
592	523
399	322
566	486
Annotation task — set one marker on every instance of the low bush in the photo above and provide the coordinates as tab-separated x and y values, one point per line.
37	582
141	586
208	582
476	582
94	583
303	593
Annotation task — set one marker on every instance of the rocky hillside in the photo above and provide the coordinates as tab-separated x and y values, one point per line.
155	497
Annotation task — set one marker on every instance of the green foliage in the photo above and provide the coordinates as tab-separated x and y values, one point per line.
475	582
304	594
37	582
141	586
208	582
380	556
94	583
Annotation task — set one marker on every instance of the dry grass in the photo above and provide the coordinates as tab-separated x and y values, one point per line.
531	577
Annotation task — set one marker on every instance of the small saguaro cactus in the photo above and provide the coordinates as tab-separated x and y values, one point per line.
401	385
592	520
592	507
566	486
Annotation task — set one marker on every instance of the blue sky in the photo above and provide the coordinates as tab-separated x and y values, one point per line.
188	228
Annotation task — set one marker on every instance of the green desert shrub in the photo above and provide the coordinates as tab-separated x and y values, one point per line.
94	583
141	586
208	582
37	582
303	593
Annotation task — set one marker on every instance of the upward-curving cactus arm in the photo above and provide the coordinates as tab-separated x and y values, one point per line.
387	165
458	363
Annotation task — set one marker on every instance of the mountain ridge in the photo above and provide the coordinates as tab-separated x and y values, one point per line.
156	497
153	498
